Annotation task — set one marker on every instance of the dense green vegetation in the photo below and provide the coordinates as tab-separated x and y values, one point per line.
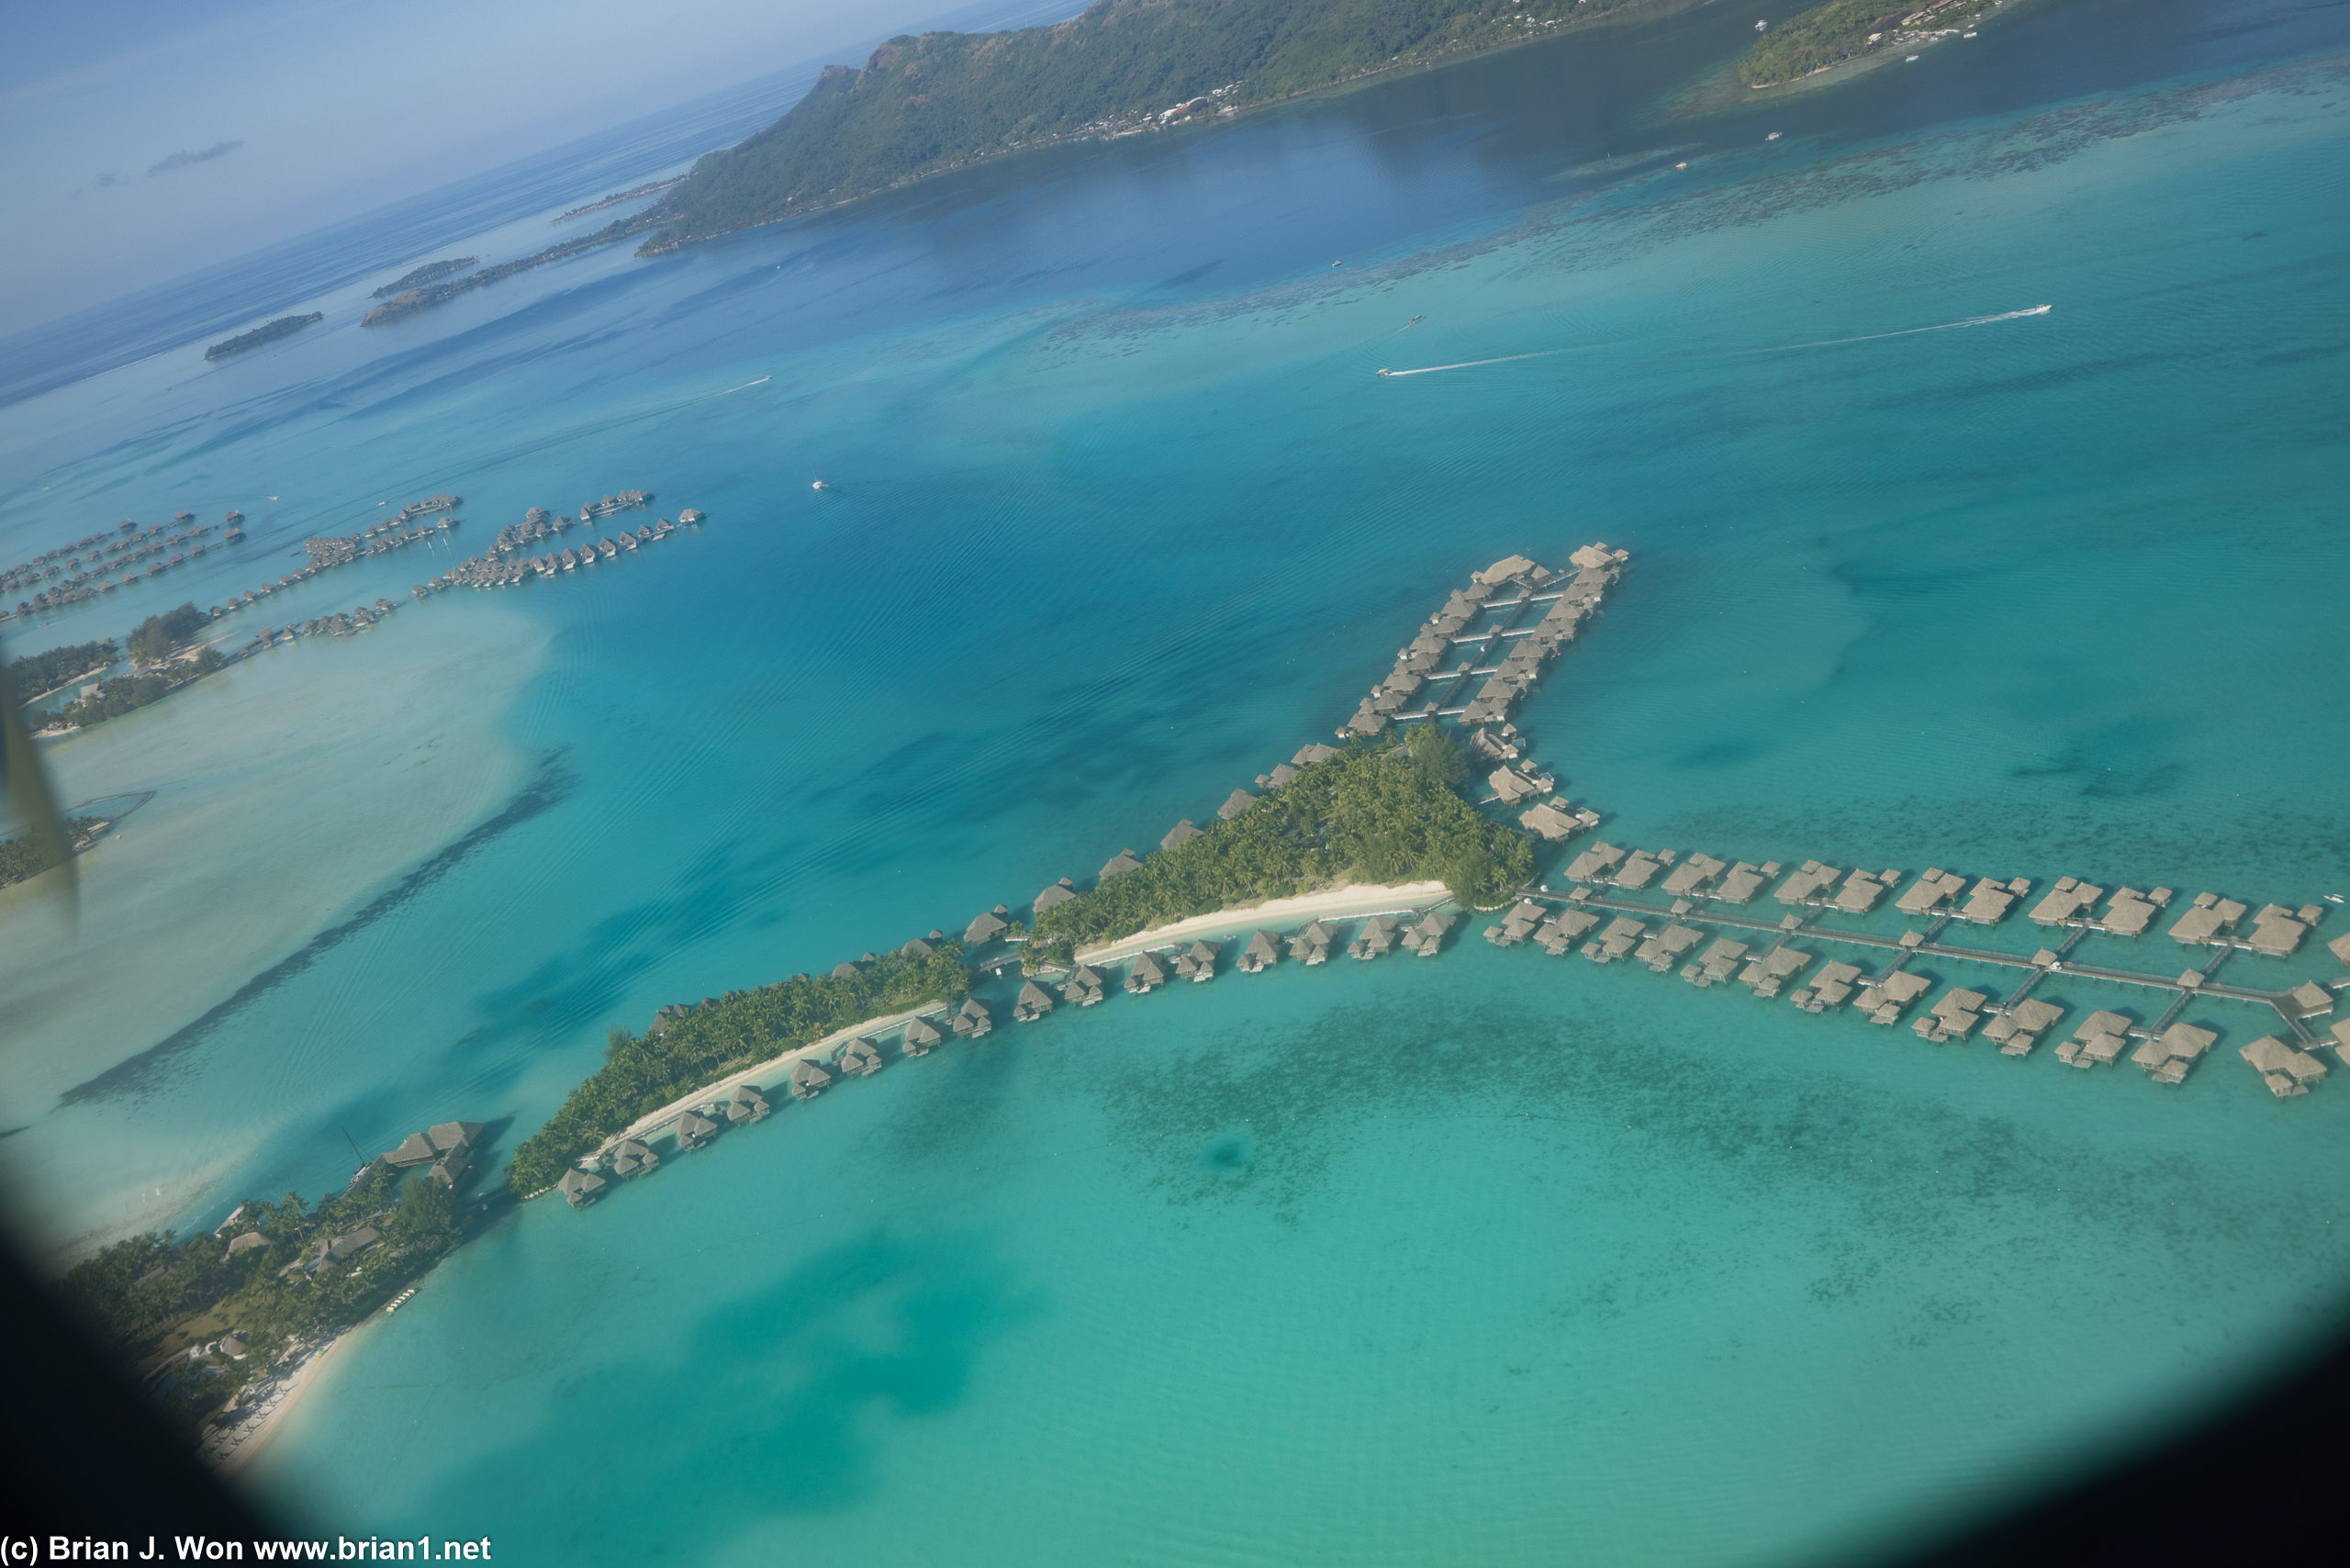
29	855
925	103
126	693
1372	813
36	673
284	325
156	638
1819	37
644	1073
154	1294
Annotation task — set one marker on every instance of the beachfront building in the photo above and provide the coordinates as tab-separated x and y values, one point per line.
1182	833
1145	975
1118	865
694	1129
809	1080
580	1188
1263	951
1426	937
1235	803
1084	987
747	1104
1197	962
1033	1002
1060	892
920	1038
630	1158
987	928
972	1019
1312	945
860	1058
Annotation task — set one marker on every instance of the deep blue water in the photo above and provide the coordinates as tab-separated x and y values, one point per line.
1493	1257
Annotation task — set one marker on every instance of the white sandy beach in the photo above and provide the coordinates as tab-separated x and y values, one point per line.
772	1065
1334	904
247	1438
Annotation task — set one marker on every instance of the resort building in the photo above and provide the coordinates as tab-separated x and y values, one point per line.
1953	1018
1144	975
808	1078
1563	930
1831	986
2099	1042
972	1019
920	1039
1263	951
2209	920
1886	999
579	1188
2018	1029
2169	1054
860	1058
1083	987
2285	1070
1033	1002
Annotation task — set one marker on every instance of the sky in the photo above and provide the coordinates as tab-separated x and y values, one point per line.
143	138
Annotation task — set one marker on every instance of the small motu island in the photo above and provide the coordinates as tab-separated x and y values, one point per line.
283	326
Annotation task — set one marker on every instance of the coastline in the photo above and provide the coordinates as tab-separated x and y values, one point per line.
301	1380
1352	900
727	1085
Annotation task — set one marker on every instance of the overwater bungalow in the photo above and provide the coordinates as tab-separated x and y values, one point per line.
2285	1070
1145	975
1742	881
1197	961
415	1149
579	1188
1235	803
1118	865
1694	875
1717	963
2098	1043
1377	937
1953	1018
1312	945
1516	926
1553	822
2018	1029
1261	953
860	1058
972	1019
1767	974
1861	890
986	928
1060	892
1510	786
920	1038
1990	902
1426	937
1807	883
1621	937
694	1129
845	969
1563	930
1596	862
630	1158
1033	1002
2276	930
808	1078
1665	949
918	947
1083	987
2169	1054
2309	999
1180	832
1638	870
1831	986
2068	901
1886	999
2210	919
746	1105
2130	912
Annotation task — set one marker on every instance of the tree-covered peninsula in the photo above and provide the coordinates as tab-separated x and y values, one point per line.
935	102
738	1030
1371	813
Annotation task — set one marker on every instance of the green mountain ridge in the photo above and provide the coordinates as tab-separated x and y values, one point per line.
924	105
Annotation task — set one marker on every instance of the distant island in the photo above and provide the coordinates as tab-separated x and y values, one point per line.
415	299
283	326
652	187
922	106
430	272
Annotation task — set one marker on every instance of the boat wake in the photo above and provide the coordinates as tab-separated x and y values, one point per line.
1908	331
760	382
1472	364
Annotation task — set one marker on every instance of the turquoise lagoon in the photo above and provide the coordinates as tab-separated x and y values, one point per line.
1493	1257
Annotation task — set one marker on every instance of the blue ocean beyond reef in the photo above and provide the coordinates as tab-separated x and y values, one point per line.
1495	1259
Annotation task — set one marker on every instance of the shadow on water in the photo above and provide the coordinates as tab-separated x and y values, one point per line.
814	1377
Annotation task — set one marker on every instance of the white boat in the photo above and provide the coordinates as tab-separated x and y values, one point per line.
820	484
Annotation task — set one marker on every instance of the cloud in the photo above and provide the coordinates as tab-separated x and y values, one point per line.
108	179
183	159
